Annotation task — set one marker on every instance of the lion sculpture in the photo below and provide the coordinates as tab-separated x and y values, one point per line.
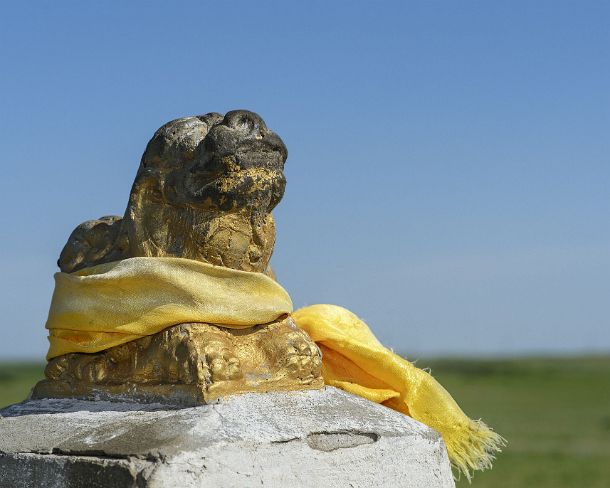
205	190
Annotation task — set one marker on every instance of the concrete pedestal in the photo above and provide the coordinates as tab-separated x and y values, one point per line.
318	438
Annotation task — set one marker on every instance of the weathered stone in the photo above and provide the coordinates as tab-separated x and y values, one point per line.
322	438
52	471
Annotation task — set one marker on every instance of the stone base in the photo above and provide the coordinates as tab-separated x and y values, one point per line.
316	438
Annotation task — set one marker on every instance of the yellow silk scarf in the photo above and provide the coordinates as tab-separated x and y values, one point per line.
114	303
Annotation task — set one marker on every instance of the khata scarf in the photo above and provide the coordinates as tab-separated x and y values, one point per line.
114	303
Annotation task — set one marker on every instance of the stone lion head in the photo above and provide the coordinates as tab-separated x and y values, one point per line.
204	190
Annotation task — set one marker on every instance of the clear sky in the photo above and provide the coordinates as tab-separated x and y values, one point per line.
448	170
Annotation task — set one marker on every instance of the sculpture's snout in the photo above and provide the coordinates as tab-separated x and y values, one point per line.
241	141
255	133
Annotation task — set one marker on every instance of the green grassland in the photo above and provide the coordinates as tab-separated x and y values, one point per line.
554	412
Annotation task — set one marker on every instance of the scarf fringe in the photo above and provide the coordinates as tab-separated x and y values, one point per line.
474	449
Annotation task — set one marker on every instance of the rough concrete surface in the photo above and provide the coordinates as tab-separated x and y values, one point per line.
321	438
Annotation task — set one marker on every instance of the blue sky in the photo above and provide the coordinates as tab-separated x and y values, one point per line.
449	162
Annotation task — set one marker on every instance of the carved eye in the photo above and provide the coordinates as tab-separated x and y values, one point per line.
244	120
247	123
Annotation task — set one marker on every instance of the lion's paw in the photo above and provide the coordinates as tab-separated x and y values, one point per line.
303	359
224	365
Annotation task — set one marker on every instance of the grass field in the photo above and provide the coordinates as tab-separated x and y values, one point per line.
555	414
